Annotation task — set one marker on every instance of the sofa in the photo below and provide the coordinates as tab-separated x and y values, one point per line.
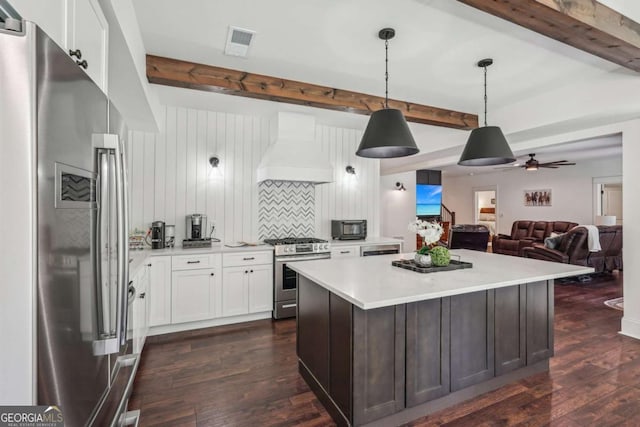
573	248
525	233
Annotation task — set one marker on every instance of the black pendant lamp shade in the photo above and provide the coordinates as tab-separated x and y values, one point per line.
387	134
486	145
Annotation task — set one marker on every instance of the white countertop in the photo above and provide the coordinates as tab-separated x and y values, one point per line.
372	282
367	241
138	256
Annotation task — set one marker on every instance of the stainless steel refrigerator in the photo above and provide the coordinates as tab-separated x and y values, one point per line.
74	189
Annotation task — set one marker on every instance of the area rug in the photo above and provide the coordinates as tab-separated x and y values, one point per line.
615	303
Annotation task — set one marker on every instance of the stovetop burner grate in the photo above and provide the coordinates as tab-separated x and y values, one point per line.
293	241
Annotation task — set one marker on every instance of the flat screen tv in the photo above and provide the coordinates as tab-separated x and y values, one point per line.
428	199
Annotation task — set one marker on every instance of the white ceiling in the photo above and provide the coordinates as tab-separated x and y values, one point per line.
335	43
574	151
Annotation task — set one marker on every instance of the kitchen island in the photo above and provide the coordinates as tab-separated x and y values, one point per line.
381	345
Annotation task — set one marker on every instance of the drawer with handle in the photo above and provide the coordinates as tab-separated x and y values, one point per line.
191	262
247	258
345	251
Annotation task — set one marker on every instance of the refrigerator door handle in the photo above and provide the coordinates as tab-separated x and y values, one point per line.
112	142
127	418
123	262
107	342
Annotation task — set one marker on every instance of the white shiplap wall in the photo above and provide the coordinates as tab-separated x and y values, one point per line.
169	174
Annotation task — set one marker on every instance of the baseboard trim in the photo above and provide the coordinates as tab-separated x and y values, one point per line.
188	326
630	327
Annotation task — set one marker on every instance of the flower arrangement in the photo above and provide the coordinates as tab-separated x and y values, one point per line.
429	231
429	253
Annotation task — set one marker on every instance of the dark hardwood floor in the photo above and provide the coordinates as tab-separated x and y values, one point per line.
246	375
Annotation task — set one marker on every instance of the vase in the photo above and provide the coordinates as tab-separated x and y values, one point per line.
422	260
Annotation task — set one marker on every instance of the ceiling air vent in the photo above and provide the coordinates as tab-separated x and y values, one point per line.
238	41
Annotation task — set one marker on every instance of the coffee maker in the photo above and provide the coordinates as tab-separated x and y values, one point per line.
157	235
196	232
196	227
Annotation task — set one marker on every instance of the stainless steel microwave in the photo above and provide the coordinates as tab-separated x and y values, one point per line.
342	229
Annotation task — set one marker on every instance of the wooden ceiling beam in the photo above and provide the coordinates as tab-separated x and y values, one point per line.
173	72
584	24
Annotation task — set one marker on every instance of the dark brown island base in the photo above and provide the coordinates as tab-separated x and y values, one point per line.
396	362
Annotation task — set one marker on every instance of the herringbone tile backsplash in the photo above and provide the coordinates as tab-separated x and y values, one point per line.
286	209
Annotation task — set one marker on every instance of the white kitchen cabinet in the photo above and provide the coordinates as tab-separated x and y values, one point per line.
260	288
345	251
235	291
73	25
88	32
247	286
191	262
50	15
159	291
194	295
248	259
140	309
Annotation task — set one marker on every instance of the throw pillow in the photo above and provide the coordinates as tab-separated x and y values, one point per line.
553	240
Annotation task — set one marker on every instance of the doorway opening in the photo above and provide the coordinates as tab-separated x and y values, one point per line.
485	208
607	201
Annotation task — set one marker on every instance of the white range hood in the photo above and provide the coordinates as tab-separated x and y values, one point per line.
294	154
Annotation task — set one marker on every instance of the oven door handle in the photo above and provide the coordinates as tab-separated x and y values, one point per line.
303	258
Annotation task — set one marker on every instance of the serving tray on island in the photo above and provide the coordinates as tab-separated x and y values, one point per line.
410	264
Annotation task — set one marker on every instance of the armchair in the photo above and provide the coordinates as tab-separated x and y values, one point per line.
611	242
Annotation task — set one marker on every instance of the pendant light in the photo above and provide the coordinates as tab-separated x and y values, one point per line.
387	134
486	145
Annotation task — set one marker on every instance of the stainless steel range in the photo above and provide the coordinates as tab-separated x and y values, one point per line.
285	280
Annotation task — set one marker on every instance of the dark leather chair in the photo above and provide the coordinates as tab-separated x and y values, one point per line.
469	236
510	244
525	233
574	249
611	242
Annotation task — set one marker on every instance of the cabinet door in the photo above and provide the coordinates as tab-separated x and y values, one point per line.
378	369
260	288
191	295
137	316
88	31
539	321
510	328
159	291
139	310
49	15
235	291
427	354
472	338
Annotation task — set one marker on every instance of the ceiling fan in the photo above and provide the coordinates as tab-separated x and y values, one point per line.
533	165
